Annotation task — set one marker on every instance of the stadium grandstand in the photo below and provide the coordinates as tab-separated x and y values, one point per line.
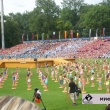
68	48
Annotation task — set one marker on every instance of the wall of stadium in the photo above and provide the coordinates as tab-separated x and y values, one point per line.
32	64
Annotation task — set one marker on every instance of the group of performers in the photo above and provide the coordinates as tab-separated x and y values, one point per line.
84	71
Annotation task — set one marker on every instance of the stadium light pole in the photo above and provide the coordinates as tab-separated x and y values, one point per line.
2	25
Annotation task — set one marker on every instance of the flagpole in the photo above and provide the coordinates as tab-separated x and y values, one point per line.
2	25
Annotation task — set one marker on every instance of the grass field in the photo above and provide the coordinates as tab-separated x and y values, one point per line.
54	99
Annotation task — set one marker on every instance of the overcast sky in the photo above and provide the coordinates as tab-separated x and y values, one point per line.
23	5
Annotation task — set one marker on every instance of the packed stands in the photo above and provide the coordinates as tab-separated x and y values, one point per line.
95	49
64	49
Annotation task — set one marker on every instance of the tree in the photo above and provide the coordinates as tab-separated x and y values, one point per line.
23	21
12	36
71	12
43	18
73	4
97	17
107	2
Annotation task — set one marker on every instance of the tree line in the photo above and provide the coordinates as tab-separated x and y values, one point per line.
47	17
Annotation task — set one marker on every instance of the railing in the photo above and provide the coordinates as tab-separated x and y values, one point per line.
68	39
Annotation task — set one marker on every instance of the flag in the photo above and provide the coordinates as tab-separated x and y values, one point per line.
27	37
47	37
89	33
54	35
22	38
32	36
37	36
59	34
97	33
77	35
42	36
71	33
103	32
65	34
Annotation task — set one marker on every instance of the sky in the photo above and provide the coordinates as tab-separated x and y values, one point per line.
28	5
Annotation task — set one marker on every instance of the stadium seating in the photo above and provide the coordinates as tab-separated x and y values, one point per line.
62	49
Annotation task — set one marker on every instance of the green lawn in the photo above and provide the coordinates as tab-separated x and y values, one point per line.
54	99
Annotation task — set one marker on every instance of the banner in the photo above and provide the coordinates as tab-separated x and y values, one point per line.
77	35
95	98
103	32
89	33
22	38
71	33
32	36
65	34
42	36
37	36
54	35
97	33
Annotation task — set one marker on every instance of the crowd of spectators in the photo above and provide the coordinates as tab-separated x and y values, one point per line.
64	49
96	49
